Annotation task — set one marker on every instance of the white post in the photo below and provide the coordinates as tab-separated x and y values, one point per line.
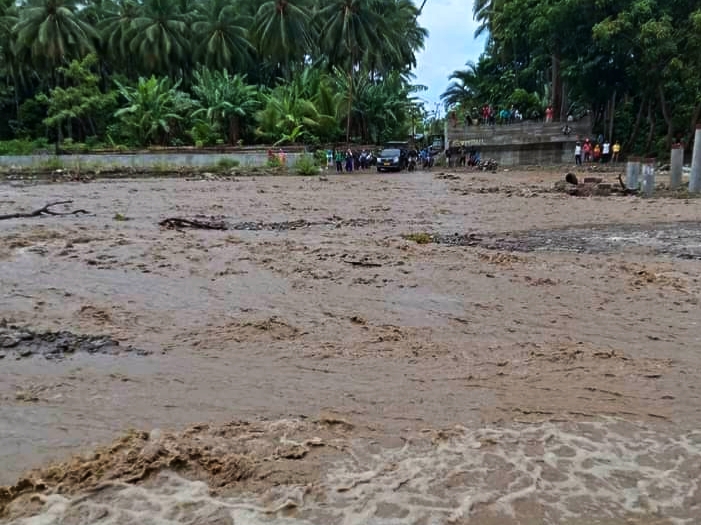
632	173
695	176
649	177
675	170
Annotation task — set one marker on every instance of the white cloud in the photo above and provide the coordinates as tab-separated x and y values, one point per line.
449	45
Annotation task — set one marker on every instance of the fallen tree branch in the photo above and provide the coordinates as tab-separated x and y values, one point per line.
177	222
42	211
625	189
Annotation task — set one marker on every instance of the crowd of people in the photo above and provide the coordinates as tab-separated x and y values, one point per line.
349	160
599	150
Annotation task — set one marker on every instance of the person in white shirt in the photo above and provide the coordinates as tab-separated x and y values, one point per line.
578	154
605	151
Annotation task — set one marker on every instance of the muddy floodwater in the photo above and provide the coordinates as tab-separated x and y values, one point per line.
355	349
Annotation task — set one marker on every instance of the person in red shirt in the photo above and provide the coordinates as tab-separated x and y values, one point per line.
549	114
586	149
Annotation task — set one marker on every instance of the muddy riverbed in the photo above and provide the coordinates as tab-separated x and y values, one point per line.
534	358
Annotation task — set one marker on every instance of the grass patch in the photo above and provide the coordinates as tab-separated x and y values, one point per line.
227	164
419	238
52	163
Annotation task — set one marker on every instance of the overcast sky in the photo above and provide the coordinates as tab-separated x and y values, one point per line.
450	44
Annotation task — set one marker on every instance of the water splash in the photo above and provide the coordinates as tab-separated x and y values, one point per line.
609	471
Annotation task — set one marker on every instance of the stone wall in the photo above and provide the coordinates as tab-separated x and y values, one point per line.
142	160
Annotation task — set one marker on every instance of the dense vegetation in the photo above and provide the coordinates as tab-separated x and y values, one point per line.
633	65
126	73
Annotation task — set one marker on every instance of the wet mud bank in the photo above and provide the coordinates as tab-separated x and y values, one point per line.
679	239
17	342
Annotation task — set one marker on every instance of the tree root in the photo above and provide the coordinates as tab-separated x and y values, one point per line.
42	211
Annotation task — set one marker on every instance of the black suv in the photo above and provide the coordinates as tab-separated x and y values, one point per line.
392	159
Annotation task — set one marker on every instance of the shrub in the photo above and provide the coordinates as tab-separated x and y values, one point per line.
305	165
18	147
227	164
320	157
273	161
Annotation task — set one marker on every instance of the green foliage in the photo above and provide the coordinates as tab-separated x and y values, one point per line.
153	111
81	104
633	60
320	157
227	164
305	165
20	146
225	101
164	72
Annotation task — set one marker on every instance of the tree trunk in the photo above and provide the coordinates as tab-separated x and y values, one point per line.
564	103
613	112
350	104
653	122
556	87
694	119
233	130
666	114
636	127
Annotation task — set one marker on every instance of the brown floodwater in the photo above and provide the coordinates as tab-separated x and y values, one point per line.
545	374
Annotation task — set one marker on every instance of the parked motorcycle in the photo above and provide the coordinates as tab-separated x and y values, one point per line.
488	165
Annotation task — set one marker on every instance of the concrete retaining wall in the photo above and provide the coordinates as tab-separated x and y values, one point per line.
141	160
530	154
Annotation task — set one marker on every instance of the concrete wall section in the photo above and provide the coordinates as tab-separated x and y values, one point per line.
141	160
543	154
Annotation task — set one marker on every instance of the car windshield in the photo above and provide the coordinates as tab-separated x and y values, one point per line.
389	153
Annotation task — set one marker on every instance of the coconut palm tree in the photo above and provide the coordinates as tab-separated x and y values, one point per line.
220	35
116	28
281	32
51	33
465	86
159	38
351	30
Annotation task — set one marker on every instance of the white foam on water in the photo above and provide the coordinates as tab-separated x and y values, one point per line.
549	473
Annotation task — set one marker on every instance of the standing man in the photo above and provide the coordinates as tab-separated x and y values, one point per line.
339	161
578	154
605	151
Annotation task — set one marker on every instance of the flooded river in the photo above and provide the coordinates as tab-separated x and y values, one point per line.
313	363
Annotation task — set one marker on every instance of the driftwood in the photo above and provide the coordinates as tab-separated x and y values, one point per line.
364	264
624	189
177	222
42	211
